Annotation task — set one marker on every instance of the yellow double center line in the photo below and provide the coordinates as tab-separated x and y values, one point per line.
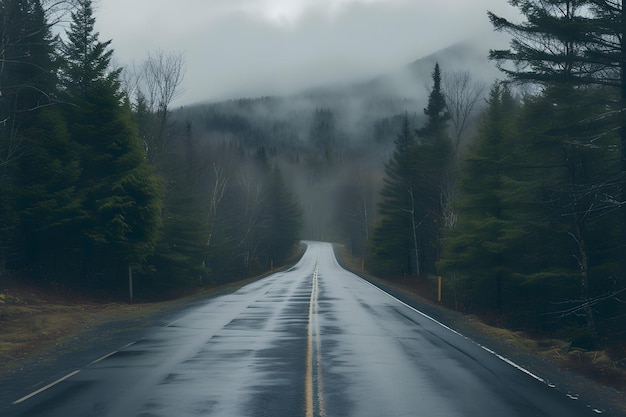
314	382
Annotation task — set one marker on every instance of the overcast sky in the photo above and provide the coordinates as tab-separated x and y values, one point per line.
247	48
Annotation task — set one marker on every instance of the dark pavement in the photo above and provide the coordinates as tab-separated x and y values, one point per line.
312	341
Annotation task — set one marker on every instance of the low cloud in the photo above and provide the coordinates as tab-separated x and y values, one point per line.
238	48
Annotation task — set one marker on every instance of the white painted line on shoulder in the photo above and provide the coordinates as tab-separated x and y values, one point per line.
108	355
502	358
128	345
174	322
100	359
40	390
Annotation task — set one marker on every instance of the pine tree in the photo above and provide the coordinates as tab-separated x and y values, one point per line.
433	158
122	195
549	47
437	111
27	85
28	65
395	248
481	249
576	180
284	219
574	47
49	203
87	60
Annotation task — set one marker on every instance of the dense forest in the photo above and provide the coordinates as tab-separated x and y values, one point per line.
99	186
512	191
527	224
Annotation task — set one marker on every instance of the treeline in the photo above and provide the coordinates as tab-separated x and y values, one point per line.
527	226
98	183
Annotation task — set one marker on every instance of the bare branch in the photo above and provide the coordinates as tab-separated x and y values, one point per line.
462	96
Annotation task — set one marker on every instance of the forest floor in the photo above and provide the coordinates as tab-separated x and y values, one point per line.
35	320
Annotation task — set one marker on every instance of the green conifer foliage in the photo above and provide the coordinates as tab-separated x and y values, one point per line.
436	111
51	208
284	219
393	250
27	85
483	247
122	195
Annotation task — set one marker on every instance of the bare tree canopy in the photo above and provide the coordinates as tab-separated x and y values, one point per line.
463	94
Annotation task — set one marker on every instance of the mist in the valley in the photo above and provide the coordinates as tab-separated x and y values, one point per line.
331	143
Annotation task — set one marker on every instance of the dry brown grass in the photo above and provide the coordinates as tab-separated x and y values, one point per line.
34	319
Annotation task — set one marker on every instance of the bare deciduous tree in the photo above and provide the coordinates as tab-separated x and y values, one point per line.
154	85
463	94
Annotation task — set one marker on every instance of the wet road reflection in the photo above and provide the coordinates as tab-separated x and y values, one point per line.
312	341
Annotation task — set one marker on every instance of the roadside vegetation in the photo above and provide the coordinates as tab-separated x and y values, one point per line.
526	224
101	191
550	357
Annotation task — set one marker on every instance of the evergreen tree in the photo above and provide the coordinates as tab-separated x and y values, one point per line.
436	112
27	84
576	180
433	158
27	58
483	247
87	61
284	219
50	205
565	46
180	258
549	47
395	248
122	196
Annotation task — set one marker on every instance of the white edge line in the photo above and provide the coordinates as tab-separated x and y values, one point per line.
50	385
174	322
502	358
108	355
100	359
71	374
128	345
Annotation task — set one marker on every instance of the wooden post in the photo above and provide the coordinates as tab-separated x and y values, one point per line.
130	282
439	288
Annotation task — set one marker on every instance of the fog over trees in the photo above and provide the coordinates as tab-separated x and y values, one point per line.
512	191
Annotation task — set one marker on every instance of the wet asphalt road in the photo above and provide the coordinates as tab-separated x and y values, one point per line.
312	341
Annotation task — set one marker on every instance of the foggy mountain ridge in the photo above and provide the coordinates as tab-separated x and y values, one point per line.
326	138
414	80
359	104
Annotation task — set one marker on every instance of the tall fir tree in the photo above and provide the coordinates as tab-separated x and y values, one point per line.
436	111
394	249
568	45
433	158
579	217
284	219
482	249
27	85
122	195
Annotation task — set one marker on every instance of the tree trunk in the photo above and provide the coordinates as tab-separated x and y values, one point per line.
414	227
622	136
583	262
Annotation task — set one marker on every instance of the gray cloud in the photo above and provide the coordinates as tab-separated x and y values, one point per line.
238	48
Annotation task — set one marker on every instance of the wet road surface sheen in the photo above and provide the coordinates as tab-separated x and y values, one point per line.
312	341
